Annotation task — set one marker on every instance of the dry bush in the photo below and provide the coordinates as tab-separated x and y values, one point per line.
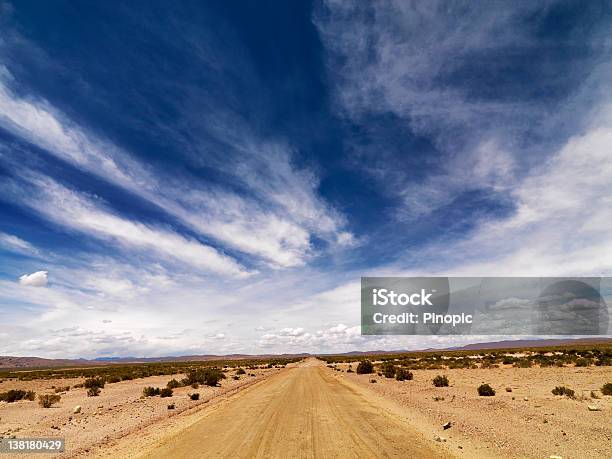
440	381
48	400
485	390
16	395
562	390
365	367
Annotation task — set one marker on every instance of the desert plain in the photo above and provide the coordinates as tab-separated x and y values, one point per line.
322	407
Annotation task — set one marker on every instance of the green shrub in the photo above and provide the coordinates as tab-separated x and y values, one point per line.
581	362
173	384
486	391
165	392
365	367
388	370
62	389
93	391
440	381
401	374
15	395
562	390
150	391
240	371
48	400
94	382
208	376
606	389
113	379
195	396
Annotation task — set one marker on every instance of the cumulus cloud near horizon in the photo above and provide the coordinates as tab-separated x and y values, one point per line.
37	279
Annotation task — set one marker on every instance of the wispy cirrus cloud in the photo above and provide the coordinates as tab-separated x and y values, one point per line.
484	88
275	223
16	244
77	212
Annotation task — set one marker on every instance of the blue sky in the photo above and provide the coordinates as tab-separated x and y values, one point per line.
215	177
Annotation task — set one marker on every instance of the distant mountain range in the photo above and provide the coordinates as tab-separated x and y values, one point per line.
37	362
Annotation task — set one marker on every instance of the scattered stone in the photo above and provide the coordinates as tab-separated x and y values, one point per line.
508	389
446	425
554	456
594	408
439	438
77	409
171	407
526	399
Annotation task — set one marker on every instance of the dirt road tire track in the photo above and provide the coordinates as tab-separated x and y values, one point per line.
302	412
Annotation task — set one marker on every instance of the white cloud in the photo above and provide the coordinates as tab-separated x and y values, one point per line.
276	226
16	244
75	211
37	279
561	224
409	59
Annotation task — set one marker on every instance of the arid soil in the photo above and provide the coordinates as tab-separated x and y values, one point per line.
301	412
529	422
310	410
119	410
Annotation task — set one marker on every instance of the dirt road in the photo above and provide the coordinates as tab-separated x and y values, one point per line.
301	412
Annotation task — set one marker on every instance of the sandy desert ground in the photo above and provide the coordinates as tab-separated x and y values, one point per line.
118	411
311	410
529	422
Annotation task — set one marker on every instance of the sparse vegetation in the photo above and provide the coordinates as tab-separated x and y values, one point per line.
562	390
440	381
93	385
388	369
93	391
485	390
48	400
401	374
126	372
195	396
208	376
173	384
551	356
165	392
151	391
240	371
606	389
16	395
365	367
